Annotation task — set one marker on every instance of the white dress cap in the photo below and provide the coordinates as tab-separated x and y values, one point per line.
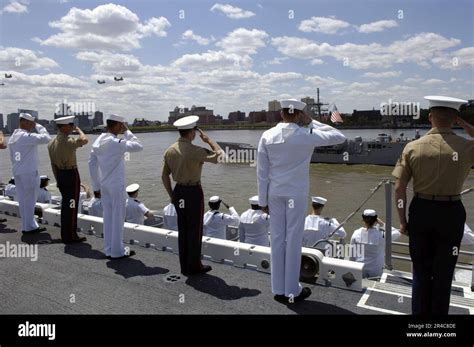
369	213
116	118
254	200
132	188
188	122
445	101
27	116
293	103
44	177
319	200
214	198
65	120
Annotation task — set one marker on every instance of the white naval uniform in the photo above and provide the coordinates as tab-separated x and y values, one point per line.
95	207
317	228
135	211
23	147
373	255
253	227
10	191
283	158
107	170
170	217
44	196
215	222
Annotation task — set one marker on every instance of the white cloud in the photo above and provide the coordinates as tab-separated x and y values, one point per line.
16	7
432	81
384	74
213	60
324	25
316	61
243	41
48	80
107	26
279	77
461	58
232	11
380	25
190	35
19	59
277	61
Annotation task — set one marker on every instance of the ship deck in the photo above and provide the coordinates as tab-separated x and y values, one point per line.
150	283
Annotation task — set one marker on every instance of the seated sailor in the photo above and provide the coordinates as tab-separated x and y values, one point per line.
371	238
170	217
216	222
44	196
10	189
317	227
95	206
254	224
135	210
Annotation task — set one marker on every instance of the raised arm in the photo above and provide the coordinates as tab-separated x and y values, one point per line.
41	138
263	170
325	135
94	171
131	143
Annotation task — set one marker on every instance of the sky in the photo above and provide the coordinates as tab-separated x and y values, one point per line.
231	55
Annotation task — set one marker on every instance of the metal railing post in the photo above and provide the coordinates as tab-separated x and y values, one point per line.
388	225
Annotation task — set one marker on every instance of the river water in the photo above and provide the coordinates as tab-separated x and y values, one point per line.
344	186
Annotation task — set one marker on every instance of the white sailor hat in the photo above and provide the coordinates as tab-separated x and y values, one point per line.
319	200
293	104
369	213
116	118
445	101
214	198
27	116
132	188
254	200
44	177
188	122
65	120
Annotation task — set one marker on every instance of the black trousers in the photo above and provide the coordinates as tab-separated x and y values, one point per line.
436	230
69	184
189	204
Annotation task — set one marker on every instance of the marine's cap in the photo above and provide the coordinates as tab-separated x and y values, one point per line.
27	116
214	198
65	120
369	213
44	177
188	122
132	188
319	200
293	103
445	101
254	200
116	118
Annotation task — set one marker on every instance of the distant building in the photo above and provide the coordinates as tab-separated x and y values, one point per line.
13	121
98	119
205	116
258	116
367	116
1	121
236	116
273	117
311	107
274	105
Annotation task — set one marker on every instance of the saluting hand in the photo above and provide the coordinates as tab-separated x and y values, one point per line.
204	136
265	209
223	203
466	126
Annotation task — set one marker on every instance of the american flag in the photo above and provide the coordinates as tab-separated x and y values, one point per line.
335	115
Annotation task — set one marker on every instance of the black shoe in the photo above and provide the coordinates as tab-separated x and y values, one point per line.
3	220
303	295
280	298
78	240
204	269
130	254
35	231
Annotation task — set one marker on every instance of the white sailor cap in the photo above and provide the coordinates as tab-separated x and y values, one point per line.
65	120
254	200
44	177
116	118
293	104
445	101
369	213
132	188
27	116
188	122
319	200
214	198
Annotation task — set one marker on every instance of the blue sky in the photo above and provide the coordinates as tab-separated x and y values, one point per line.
231	55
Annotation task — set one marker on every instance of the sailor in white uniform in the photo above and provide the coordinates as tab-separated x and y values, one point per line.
215	222
44	196
24	157
10	189
283	158
371	238
107	170
95	206
317	227
254	224
136	211
170	217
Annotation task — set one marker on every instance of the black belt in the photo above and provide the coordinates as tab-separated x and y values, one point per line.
189	184
438	197
67	168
